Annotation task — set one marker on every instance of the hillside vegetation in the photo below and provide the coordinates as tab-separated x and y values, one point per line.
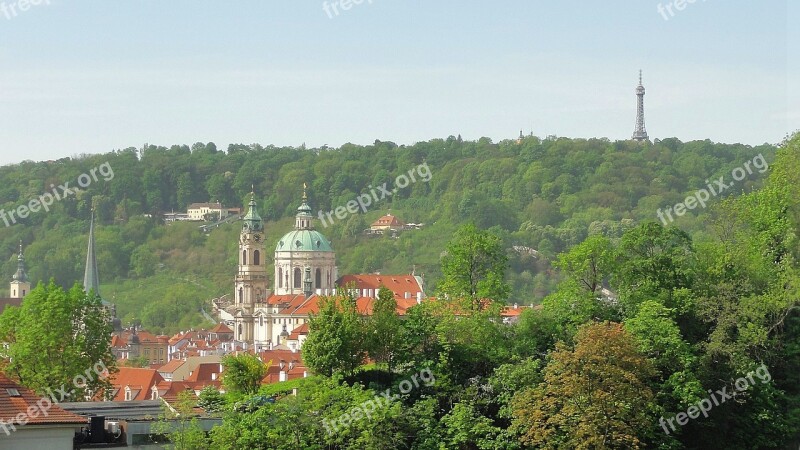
543	194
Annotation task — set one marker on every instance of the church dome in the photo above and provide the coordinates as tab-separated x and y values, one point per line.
304	241
304	238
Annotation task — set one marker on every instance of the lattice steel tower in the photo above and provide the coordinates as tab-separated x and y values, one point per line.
640	134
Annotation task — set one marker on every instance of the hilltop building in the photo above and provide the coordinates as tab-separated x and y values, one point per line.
202	211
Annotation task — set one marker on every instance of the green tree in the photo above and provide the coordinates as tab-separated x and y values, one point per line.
335	341
242	374
473	268
59	339
588	263
211	400
384	329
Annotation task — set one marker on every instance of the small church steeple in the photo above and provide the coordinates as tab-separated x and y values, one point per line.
20	284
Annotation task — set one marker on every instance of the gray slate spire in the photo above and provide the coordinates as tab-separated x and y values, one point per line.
91	280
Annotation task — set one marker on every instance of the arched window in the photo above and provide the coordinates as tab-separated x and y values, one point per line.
261	321
241	295
298	278
318	279
280	277
240	331
244	257
256	257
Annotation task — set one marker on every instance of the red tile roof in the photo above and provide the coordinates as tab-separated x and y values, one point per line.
203	373
139	380
118	341
388	221
300	305
401	285
274	358
171	366
12	406
221	328
301	330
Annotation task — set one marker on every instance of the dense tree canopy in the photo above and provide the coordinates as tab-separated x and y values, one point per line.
545	195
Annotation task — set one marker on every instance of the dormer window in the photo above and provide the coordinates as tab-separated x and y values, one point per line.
127	393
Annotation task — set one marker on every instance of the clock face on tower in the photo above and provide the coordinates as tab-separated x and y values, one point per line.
257	238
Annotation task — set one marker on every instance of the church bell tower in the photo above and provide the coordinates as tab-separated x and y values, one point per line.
20	284
250	286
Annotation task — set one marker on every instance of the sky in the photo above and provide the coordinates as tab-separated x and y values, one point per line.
92	76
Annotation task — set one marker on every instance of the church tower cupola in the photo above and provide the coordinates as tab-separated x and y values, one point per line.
252	221
304	219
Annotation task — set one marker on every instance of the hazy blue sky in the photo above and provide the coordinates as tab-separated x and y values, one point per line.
89	76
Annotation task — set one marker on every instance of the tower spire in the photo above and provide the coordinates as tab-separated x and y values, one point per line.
20	275
252	221
91	279
640	133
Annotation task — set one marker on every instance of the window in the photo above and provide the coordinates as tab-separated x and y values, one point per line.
318	279
256	257
241	295
297	277
244	257
280	277
261	321
127	393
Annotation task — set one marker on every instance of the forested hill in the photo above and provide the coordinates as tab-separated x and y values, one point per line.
544	194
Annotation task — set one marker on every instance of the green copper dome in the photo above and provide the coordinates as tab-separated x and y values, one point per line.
304	241
304	238
252	221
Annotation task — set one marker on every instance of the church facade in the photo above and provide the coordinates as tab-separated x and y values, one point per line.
305	265
265	316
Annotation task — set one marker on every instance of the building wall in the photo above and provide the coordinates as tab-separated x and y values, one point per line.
38	437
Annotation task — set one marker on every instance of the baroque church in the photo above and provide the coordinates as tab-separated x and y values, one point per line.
265	316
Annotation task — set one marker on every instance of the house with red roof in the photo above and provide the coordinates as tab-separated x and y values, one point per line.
30	421
133	383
